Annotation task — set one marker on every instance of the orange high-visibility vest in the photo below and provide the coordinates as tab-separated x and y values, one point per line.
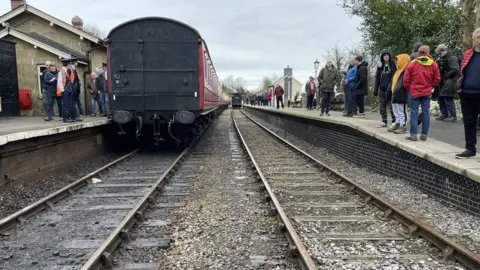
64	80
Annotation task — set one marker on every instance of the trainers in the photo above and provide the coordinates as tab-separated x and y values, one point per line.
465	154
423	137
394	127
328	114
360	115
382	125
412	138
401	130
440	118
450	119
321	114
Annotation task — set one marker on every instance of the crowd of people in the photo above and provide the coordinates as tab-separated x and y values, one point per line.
63	87
410	81
265	98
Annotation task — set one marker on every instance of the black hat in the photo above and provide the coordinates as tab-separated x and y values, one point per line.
69	60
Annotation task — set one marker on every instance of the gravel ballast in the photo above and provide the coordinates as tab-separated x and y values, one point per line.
20	195
458	225
225	223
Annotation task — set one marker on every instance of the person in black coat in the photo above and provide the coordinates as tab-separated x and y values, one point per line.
399	95
383	79
361	85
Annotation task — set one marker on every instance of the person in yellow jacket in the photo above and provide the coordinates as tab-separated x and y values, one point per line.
65	81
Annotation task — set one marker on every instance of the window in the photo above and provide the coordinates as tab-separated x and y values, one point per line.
40	69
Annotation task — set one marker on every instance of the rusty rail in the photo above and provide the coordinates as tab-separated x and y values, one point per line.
450	249
48	201
299	249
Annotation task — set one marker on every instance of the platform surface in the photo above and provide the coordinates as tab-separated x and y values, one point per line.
21	128
445	139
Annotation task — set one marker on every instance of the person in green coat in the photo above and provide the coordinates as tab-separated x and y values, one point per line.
326	81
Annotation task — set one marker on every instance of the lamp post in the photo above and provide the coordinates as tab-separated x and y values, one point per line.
316	65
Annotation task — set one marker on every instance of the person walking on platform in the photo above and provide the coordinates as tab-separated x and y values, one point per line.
65	81
77	92
360	87
421	76
326	84
348	89
310	89
469	84
399	95
383	78
279	95
449	71
49	90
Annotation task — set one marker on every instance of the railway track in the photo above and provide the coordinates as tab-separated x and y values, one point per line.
332	223
120	206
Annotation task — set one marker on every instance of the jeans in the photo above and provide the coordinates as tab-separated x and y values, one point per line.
470	104
77	103
414	102
349	102
93	102
68	109
49	103
309	101
447	107
326	99
400	111
45	100
385	104
279	100
360	102
103	100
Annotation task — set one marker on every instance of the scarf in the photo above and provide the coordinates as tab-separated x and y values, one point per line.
402	61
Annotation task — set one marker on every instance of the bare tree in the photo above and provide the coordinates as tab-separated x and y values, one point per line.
468	21
94	30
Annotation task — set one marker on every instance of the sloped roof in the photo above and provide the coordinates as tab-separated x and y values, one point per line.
282	78
53	21
40	41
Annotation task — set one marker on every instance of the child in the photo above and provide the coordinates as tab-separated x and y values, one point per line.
399	95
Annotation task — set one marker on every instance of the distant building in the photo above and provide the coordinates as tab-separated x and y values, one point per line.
40	37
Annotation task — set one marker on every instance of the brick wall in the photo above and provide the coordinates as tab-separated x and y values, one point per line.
29	159
449	187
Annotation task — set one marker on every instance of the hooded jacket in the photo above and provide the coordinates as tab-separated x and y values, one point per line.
399	93
384	72
350	75
361	79
327	78
449	71
421	76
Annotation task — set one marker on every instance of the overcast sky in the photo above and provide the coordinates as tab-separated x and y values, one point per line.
248	38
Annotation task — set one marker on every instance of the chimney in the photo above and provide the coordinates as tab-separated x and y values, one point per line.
16	3
77	22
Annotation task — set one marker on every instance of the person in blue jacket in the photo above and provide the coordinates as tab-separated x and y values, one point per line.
350	105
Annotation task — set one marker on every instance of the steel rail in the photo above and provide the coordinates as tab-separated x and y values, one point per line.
450	249
103	255
48	201
300	250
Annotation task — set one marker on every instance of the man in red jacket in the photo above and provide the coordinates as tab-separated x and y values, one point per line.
469	84
421	76
279	95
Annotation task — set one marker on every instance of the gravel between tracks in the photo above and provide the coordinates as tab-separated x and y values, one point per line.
20	195
458	225
224	224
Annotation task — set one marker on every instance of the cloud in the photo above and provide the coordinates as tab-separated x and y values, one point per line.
249	38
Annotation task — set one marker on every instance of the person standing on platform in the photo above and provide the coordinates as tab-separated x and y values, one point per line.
349	82
269	97
326	85
42	85
421	76
65	81
449	70
383	78
416	47
49	90
102	88
469	84
399	95
360	87
279	95
94	96
310	90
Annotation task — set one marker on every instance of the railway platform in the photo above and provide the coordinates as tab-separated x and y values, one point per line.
30	146
428	165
